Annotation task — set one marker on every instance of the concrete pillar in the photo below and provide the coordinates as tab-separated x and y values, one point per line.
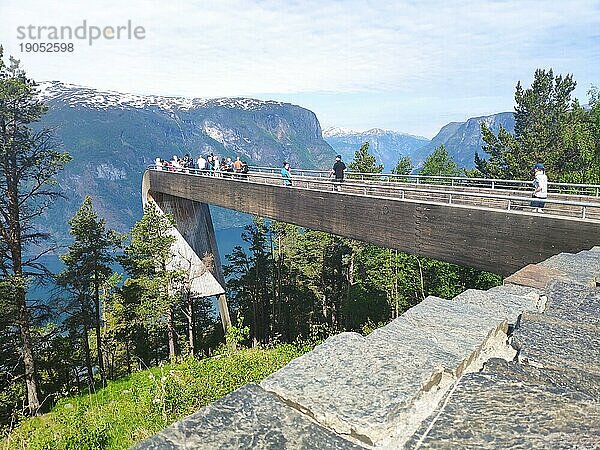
196	246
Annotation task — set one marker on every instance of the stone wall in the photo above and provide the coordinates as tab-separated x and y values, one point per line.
517	366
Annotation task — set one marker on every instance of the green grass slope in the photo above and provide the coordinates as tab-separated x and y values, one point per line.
133	408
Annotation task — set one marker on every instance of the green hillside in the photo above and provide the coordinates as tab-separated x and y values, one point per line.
135	407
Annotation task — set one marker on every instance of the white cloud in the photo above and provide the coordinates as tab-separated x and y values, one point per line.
411	49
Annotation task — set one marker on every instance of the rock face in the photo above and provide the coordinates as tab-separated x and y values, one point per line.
112	137
517	366
463	139
247	418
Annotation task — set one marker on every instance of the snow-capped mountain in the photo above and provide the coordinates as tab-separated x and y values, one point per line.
75	95
113	136
386	145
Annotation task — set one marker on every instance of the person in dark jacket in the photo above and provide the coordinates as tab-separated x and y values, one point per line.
337	171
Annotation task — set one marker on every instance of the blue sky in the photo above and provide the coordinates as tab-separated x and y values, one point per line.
412	66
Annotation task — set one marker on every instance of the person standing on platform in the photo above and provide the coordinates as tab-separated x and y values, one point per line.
237	165
286	174
201	163
337	171
540	185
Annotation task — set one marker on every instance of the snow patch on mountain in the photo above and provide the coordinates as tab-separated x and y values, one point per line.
74	95
341	132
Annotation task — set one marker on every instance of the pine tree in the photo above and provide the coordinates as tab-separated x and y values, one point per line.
439	163
88	264
149	259
364	162
403	167
543	113
29	161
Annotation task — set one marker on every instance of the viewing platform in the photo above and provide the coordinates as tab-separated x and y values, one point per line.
479	223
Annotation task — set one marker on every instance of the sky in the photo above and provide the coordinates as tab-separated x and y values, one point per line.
411	66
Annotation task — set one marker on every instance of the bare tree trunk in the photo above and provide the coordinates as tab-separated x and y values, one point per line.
28	361
421	280
128	356
88	358
190	322
98	326
171	333
23	320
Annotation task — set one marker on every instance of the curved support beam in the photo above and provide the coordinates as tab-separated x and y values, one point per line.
195	246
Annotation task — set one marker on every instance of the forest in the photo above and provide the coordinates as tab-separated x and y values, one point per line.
291	285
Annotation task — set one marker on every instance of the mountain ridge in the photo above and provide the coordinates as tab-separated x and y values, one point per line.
113	137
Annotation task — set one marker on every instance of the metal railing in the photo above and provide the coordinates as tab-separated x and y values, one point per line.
592	190
585	210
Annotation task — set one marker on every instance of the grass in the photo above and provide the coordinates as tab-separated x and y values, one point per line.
133	408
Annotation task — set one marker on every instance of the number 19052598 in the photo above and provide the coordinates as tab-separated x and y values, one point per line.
47	47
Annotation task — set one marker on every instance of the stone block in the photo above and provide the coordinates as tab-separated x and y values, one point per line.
378	388
503	303
534	276
552	342
575	302
511	406
583	268
248	418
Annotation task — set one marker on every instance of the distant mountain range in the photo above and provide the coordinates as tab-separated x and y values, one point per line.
112	137
461	140
386	145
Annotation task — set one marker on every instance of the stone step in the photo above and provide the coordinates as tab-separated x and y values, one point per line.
580	268
378	388
534	276
508	405
574	302
504	302
552	342
249	418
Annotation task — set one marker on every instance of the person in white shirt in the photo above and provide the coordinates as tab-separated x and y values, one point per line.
201	163
540	185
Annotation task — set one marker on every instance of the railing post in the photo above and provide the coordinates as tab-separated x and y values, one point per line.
493	184
583	212
509	205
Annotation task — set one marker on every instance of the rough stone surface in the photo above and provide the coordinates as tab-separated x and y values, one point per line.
373	388
505	304
571	301
512	406
583	268
534	276
547	341
248	418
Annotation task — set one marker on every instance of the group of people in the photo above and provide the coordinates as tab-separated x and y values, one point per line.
214	165
211	163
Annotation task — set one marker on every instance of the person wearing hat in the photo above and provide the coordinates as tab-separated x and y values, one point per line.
540	185
338	170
